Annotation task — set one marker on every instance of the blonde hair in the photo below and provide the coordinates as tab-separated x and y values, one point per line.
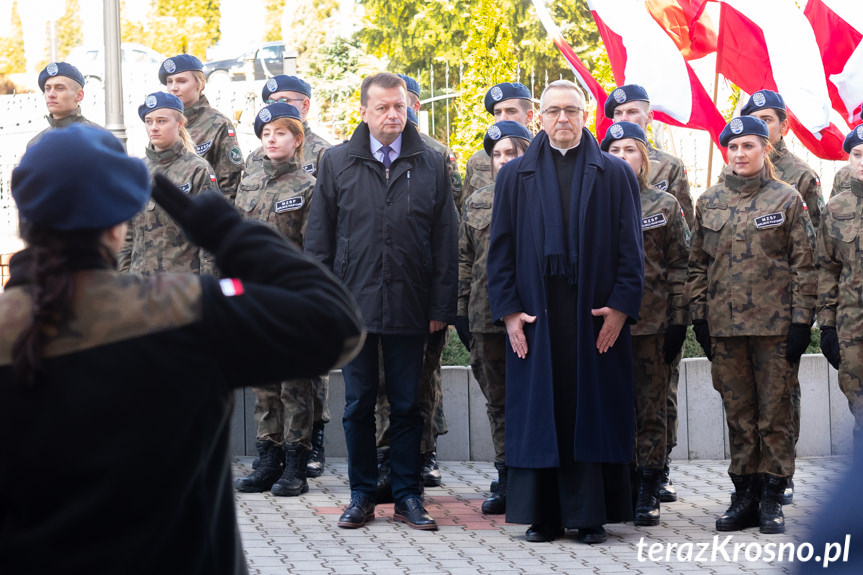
643	174
200	80
296	128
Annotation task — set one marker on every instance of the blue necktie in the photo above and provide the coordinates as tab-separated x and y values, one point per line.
386	159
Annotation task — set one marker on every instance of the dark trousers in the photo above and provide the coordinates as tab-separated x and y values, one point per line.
403	360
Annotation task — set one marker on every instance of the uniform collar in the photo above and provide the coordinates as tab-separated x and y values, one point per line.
856	187
166	156
75	116
747	186
274	170
779	150
195	110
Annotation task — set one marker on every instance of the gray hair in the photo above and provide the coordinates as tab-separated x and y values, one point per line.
564	85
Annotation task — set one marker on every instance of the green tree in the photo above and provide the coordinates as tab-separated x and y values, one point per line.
184	26
69	32
12	59
132	31
308	28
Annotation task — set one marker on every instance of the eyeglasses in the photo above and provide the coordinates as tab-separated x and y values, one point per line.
569	112
284	100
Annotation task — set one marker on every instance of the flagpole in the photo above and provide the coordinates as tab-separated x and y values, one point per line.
710	153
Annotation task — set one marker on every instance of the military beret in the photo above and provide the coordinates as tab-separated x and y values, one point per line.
284	83
763	99
79	178
621	131
158	100
622	95
412	85
853	139
177	64
273	112
743	126
412	117
502	130
505	91
60	69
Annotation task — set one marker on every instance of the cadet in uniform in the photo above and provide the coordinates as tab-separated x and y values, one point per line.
280	194
505	101
840	277
212	132
630	103
486	341
751	286
654	344
842	179
62	85
297	92
155	243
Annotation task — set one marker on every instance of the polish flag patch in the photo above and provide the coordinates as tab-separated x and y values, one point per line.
231	132
213	178
231	287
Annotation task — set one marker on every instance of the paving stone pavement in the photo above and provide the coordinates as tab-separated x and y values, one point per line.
299	534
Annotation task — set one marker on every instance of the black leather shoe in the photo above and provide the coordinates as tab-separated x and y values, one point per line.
411	511
360	511
542	533
592	535
431	473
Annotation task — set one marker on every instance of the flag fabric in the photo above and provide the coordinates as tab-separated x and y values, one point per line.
688	25
641	52
838	27
585	78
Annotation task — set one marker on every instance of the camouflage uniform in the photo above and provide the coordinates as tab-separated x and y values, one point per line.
155	242
666	253
451	166
281	195
667	173
840	283
73	118
477	175
488	341
314	147
751	275
842	179
216	142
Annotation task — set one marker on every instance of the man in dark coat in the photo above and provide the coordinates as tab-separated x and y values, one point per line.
565	275
383	220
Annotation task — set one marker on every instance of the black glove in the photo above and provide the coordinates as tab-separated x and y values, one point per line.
799	337
462	327
675	335
830	345
206	218
702	335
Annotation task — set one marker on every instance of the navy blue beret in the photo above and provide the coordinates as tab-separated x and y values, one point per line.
60	69
621	131
853	139
763	99
743	126
505	91
158	100
622	95
284	83
412	85
273	112
502	130
412	117
79	178
177	64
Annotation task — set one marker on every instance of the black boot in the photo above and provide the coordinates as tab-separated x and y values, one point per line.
743	512
647	505
667	492
385	491
496	503
293	480
317	457
431	473
268	471
770	511
788	493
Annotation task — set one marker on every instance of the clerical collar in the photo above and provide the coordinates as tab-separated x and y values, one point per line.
563	151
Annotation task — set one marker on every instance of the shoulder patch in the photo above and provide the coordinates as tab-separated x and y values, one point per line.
290	204
213	178
186	188
203	148
235	155
231	287
310	167
231	132
770	220
653	221
661	185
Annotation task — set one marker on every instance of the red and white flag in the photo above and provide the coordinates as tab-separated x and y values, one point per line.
688	25
641	52
838	27
587	81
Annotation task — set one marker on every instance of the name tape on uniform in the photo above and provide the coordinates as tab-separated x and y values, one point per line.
769	220
202	149
290	204
653	221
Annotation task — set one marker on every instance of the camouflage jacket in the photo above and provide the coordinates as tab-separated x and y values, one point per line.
314	147
216	142
280	195
666	255
75	117
842	180
451	166
473	237
668	174
477	175
751	264
840	267
157	243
